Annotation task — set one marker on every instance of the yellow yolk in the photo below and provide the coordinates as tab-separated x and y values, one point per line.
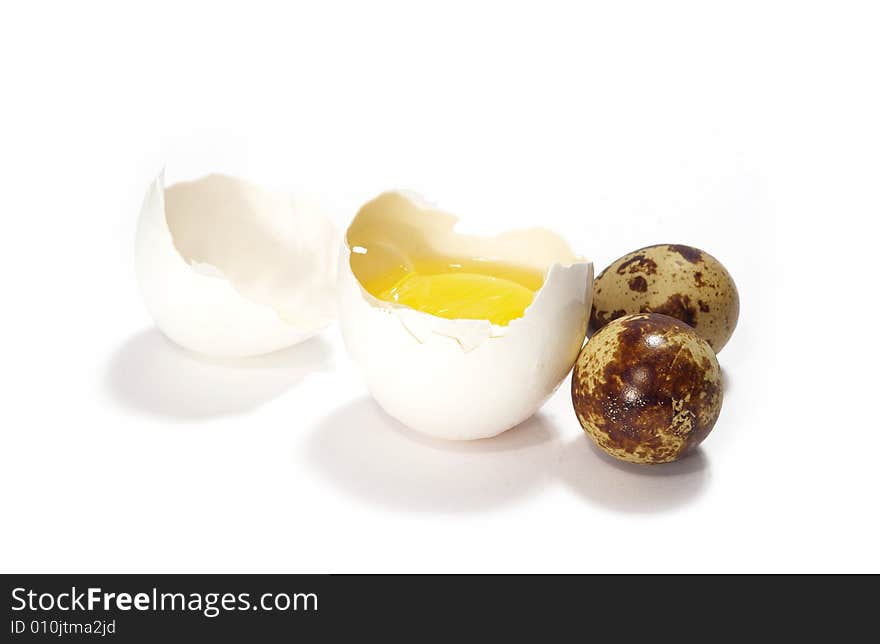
461	295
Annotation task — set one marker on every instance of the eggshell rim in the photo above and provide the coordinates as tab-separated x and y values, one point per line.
154	216
430	322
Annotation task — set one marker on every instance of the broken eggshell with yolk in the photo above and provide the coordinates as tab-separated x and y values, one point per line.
458	378
230	270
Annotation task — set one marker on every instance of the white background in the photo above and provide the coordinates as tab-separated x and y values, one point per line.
749	129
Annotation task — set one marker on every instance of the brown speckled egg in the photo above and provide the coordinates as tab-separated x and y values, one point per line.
681	281
646	388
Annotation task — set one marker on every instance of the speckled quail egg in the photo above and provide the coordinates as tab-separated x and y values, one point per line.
681	281
646	388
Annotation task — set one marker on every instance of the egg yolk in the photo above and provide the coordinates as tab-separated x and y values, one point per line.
495	295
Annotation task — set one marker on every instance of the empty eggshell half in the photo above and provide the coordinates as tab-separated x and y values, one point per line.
458	378
230	270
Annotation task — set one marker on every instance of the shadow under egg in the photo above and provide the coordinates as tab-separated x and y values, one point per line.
150	375
603	480
367	454
725	381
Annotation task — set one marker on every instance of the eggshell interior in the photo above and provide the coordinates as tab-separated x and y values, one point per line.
459	379
230	270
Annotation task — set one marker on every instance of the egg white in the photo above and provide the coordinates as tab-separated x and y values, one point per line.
462	379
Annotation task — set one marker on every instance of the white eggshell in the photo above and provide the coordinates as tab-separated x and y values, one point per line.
462	379
230	270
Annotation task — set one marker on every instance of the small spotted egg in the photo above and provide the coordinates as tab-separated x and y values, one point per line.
681	281
646	388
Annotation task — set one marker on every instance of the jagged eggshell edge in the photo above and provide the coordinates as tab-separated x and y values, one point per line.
197	307
465	379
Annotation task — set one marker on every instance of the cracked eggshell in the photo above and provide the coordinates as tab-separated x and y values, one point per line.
230	270
460	379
